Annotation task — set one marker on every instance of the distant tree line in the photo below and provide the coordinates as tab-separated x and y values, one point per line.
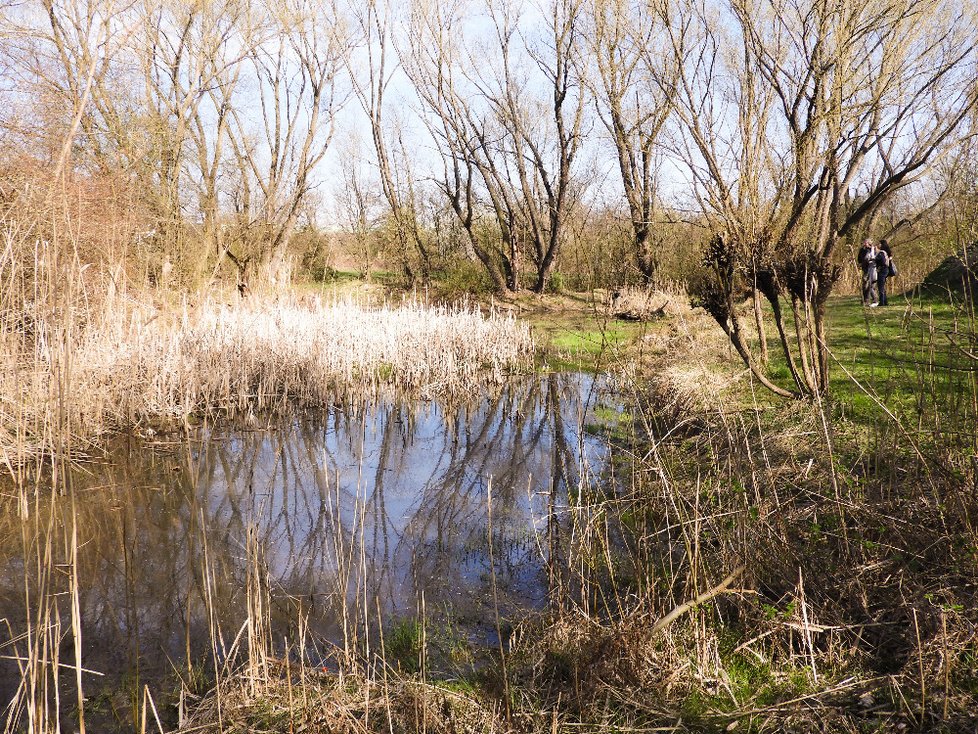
593	136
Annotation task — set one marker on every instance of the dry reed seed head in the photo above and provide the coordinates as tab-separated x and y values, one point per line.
133	364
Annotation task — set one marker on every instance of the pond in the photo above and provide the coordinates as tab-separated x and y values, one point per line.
345	528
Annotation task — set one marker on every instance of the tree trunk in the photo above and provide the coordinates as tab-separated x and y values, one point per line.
759	321
648	262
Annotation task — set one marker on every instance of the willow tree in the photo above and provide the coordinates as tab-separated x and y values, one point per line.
504	102
373	68
634	83
539	108
474	180
797	121
296	72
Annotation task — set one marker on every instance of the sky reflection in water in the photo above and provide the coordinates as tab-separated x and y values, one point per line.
352	510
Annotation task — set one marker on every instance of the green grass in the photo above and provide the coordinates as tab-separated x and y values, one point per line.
749	684
905	357
402	643
571	340
586	348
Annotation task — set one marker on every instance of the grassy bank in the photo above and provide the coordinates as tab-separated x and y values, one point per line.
593	332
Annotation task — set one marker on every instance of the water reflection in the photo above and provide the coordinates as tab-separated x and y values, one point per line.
355	515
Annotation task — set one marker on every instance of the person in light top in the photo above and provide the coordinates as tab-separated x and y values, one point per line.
866	259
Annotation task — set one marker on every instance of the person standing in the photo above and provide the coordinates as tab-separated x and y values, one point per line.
867	262
884	264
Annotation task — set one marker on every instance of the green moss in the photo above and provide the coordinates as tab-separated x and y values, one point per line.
266	716
614	425
463	686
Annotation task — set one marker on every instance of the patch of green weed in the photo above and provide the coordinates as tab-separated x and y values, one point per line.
402	644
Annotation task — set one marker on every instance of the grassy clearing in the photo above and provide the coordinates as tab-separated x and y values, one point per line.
578	332
905	374
584	349
911	356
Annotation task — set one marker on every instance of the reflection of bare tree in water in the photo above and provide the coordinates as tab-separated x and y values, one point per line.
523	441
558	487
357	512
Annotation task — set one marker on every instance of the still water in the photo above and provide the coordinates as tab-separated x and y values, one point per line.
351	519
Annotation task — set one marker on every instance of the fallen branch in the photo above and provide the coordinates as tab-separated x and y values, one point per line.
701	599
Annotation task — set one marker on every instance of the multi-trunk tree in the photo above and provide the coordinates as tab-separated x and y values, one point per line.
796	120
634	83
506	109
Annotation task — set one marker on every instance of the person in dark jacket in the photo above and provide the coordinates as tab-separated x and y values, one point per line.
884	257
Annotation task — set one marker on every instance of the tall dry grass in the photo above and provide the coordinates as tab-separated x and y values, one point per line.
133	364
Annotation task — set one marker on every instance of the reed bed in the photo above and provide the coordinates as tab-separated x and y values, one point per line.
302	699
137	365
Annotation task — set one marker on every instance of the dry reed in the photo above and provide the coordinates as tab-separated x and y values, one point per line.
351	703
135	365
642	304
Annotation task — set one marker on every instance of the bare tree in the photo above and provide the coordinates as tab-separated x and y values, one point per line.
296	68
506	114
542	136
634	88
191	62
436	65
371	82
798	120
87	38
59	60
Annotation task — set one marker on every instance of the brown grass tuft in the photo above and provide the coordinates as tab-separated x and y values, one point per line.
312	701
